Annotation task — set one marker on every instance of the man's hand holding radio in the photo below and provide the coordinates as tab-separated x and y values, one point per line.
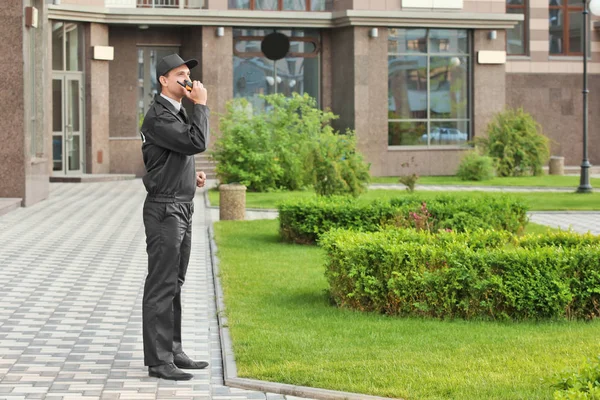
198	95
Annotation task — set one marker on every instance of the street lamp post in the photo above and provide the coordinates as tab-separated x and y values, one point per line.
584	181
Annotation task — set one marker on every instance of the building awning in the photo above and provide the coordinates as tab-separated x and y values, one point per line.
283	19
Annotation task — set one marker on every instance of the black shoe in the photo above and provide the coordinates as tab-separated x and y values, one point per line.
181	360
170	372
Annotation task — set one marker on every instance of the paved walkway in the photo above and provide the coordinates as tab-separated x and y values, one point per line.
71	282
463	188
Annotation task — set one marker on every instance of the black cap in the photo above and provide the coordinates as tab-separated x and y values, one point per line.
172	61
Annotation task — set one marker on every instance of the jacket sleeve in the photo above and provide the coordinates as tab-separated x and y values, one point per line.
170	133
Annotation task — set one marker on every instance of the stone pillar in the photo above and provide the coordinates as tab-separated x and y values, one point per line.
38	97
97	106
489	82
359	93
24	157
557	165
217	73
12	137
232	201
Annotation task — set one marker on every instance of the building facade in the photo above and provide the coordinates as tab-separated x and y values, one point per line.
416	79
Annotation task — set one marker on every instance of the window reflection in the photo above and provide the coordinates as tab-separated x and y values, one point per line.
255	75
285	5
428	87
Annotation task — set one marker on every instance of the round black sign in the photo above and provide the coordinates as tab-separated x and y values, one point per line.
275	46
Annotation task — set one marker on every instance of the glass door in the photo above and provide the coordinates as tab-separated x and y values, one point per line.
67	123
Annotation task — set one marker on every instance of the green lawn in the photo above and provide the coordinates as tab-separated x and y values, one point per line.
285	330
538	201
540	181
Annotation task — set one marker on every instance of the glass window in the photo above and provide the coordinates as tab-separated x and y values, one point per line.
57	46
148	85
565	20
266	4
281	5
428	87
239	4
57	101
516	38
67	46
255	75
74	47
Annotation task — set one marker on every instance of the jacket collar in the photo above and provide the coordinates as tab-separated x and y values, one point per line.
167	104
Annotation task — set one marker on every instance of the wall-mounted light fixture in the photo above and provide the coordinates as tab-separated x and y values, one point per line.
143	27
220	31
31	17
493	35
374	32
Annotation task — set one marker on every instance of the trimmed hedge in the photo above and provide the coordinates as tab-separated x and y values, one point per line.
447	275
303	221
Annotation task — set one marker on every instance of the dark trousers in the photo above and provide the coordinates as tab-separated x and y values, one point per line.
168	243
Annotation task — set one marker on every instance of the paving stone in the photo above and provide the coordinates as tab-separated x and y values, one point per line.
70	316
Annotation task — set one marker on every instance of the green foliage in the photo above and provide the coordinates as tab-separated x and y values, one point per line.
409	181
475	167
304	220
582	384
478	274
245	151
515	143
338	168
279	149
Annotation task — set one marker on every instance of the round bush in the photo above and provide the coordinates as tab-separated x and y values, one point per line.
475	167
515	143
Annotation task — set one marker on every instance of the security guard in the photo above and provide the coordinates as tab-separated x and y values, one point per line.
169	141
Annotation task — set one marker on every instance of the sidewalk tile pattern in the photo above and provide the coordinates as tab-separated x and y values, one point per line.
72	271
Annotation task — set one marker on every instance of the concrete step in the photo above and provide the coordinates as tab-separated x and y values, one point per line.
91	178
8	204
205	164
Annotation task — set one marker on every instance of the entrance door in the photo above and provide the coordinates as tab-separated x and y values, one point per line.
67	122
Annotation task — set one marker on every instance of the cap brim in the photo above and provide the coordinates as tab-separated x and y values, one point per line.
191	63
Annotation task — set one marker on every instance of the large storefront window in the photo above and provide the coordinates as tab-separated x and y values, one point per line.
148	85
281	5
255	75
428	87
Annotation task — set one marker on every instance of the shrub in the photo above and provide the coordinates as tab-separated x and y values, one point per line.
475	167
245	153
409	181
582	384
447	275
291	146
338	168
515	143
296	125
303	221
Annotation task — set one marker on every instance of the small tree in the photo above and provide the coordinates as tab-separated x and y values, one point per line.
515	143
290	146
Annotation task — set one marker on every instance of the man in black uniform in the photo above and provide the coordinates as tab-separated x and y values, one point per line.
170	140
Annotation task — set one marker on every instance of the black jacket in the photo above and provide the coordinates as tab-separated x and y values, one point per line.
169	143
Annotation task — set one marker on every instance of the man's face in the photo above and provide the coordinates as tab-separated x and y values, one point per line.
170	86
